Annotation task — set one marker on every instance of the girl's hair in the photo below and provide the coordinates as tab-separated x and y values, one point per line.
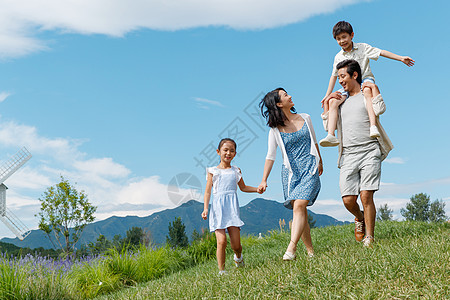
270	111
222	141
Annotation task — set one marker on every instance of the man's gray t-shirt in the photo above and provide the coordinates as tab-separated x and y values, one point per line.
355	122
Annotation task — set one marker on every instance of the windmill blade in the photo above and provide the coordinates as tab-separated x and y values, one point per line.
15	225
14	163
10	220
3	189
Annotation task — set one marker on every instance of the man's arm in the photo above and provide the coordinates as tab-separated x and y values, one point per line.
404	59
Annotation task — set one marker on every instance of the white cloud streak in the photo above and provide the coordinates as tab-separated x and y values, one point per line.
4	95
202	101
395	160
22	21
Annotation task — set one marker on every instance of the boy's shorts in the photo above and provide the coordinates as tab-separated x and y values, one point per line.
360	169
345	94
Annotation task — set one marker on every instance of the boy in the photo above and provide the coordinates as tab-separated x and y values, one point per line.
361	52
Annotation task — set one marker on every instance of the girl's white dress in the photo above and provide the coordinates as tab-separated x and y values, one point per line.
224	210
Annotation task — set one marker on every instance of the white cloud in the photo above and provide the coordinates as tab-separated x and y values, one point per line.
4	95
108	184
102	167
395	160
387	189
17	135
145	191
202	101
22	21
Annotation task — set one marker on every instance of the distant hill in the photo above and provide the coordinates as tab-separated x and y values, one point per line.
259	215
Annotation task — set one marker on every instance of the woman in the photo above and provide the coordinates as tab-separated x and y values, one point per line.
302	163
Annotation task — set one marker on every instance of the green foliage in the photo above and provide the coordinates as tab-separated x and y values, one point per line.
437	211
177	234
11	281
421	209
65	212
203	248
93	280
100	246
195	236
123	264
11	250
384	213
134	237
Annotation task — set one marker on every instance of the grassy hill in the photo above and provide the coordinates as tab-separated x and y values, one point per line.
410	260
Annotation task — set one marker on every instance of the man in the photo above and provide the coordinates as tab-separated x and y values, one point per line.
360	155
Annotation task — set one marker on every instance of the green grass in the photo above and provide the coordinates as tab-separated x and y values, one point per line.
409	260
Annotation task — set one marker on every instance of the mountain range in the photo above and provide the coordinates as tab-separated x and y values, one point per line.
259	216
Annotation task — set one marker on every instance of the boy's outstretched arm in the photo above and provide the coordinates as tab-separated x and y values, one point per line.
404	59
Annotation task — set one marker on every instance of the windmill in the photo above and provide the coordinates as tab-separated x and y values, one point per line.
6	170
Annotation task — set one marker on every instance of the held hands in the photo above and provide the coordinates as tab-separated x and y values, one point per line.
205	214
262	187
407	61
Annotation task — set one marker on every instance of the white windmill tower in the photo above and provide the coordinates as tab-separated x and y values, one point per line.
6	170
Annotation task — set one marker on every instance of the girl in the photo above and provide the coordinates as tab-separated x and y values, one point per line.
302	163
224	215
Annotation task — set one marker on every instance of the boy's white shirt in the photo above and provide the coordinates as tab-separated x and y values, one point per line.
362	53
275	140
379	107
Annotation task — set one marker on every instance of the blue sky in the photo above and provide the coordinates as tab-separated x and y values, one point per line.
120	98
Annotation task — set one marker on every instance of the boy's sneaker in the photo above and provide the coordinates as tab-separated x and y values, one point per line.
239	262
360	229
368	241
222	272
374	133
329	141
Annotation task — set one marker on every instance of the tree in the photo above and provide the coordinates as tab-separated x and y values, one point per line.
195	236
437	211
421	209
384	213
65	212
135	237
101	245
417	208
198	236
177	234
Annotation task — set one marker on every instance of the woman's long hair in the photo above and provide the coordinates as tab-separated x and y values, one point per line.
270	111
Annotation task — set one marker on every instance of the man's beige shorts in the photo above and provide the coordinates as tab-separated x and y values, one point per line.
360	169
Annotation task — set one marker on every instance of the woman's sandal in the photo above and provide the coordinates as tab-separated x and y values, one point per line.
289	256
